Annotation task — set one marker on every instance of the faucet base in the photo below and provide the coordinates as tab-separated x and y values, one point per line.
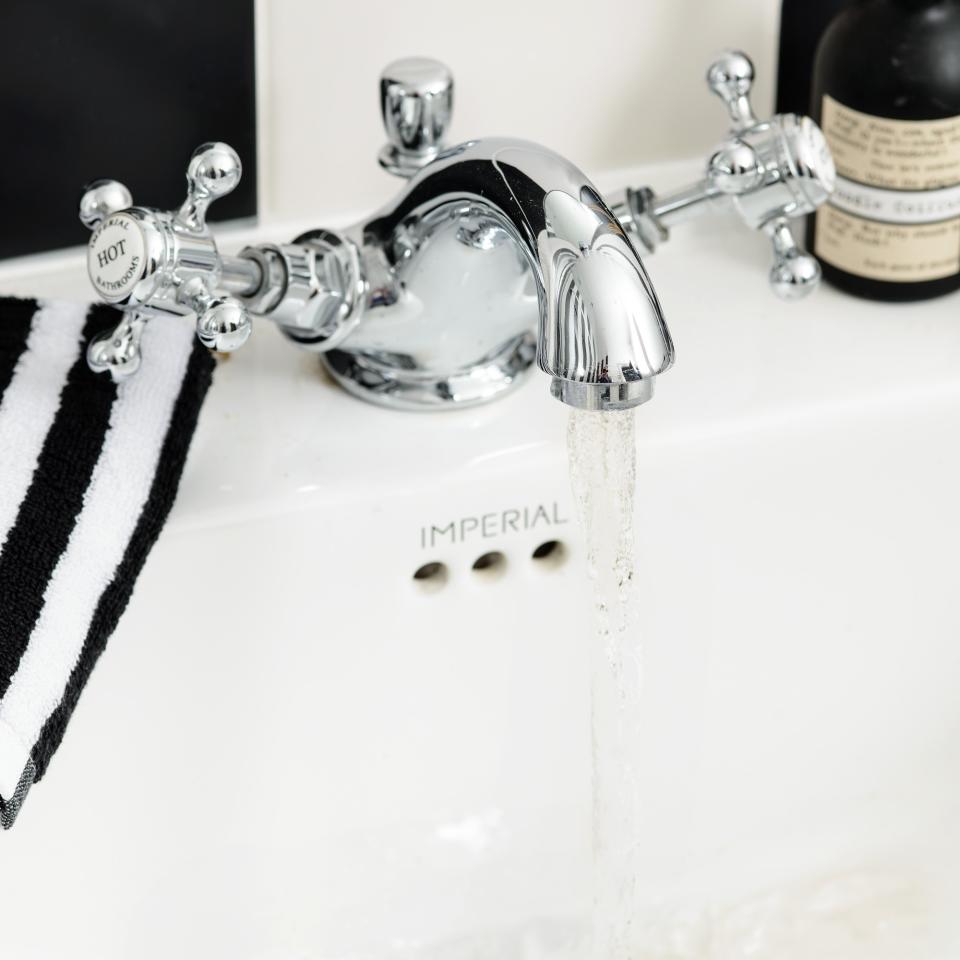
602	396
389	382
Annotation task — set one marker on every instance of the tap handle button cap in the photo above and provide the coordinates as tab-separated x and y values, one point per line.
416	102
807	161
116	251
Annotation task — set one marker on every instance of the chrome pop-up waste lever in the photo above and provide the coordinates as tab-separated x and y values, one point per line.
494	252
770	171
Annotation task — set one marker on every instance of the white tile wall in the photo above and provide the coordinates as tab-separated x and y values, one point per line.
609	83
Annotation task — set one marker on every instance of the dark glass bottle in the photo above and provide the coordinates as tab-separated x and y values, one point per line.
886	91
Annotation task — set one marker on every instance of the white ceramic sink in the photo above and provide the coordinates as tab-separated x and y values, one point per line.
292	750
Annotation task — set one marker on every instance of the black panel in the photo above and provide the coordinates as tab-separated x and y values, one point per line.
802	23
120	89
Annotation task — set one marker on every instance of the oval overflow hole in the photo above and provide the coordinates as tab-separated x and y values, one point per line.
490	565
431	576
550	553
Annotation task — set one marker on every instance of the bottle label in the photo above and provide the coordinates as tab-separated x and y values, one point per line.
895	212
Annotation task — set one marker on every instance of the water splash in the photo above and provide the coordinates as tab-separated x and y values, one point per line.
602	453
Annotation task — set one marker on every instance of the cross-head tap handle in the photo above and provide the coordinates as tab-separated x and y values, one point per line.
416	102
775	171
150	262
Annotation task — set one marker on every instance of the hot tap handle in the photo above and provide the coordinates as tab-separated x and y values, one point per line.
416	101
149	262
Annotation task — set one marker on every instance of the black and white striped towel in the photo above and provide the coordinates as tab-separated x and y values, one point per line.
88	473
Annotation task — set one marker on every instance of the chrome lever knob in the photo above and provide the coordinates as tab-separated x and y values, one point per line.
794	272
730	77
416	102
100	199
149	262
117	351
214	171
223	323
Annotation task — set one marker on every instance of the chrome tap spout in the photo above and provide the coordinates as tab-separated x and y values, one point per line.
601	335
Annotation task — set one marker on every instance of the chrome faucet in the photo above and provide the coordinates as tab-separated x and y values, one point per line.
495	252
770	172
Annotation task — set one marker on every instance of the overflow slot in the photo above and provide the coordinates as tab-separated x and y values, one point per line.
431	576
549	555
491	565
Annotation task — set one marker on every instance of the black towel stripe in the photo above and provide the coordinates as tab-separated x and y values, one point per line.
14	330
10	808
48	512
114	599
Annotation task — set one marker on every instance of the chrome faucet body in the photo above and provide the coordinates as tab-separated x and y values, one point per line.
495	253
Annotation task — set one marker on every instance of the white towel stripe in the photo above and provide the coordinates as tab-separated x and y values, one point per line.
114	500
31	401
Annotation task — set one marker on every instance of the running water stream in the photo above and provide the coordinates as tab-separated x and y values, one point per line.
860	911
602	453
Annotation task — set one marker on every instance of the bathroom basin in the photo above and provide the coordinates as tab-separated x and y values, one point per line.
295	748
